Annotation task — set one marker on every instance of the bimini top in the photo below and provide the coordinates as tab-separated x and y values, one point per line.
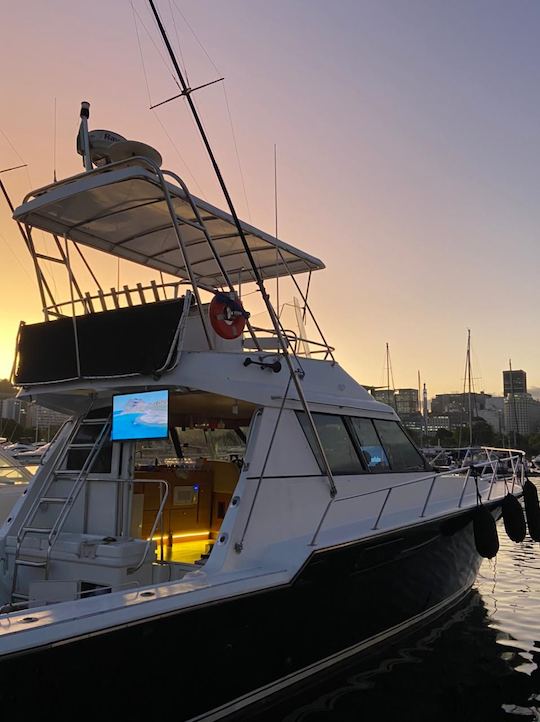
121	209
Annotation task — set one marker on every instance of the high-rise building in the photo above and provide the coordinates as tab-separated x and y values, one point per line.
514	382
517	412
406	401
385	396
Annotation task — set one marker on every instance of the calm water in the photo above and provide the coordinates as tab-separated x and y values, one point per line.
479	663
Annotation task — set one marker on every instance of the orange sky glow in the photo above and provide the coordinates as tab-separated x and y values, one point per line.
407	143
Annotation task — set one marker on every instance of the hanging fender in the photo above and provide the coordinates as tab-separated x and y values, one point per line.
513	518
532	509
486	538
227	315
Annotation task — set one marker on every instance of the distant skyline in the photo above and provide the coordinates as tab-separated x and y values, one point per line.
408	142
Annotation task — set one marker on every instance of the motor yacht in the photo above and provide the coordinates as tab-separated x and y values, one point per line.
227	512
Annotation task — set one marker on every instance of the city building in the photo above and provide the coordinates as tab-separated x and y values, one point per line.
13	409
517	409
459	403
30	416
406	401
385	396
514	382
493	413
41	418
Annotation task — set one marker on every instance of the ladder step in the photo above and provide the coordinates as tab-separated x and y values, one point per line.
18	595
81	446
93	422
31	563
54	499
36	530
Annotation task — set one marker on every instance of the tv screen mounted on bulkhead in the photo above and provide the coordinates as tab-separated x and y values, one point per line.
143	415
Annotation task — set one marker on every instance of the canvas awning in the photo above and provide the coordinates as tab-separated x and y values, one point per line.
122	211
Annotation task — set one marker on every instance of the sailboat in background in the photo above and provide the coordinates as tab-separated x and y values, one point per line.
464	455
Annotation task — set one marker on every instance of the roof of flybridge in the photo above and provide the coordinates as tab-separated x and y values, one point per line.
123	211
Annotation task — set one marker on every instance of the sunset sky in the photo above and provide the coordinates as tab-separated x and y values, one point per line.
408	144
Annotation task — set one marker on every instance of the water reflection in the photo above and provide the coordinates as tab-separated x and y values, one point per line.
479	663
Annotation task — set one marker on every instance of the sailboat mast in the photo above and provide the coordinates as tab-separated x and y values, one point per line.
516	430
468	365
387	373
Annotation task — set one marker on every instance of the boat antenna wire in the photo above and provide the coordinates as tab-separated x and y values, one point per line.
27	238
257	275
226	97
276	226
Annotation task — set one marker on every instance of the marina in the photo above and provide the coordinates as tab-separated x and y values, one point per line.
225	523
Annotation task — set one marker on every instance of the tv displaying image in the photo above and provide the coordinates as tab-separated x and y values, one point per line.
143	415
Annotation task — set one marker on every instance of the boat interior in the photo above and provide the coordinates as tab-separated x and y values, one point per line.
200	462
181	485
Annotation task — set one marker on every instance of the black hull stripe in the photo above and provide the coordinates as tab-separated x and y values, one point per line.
257	695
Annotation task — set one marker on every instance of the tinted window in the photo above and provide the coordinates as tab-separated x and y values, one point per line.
370	444
401	453
335	441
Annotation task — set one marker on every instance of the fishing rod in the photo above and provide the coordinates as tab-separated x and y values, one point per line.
295	373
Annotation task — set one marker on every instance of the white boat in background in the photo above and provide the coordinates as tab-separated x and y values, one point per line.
35	455
14	480
280	522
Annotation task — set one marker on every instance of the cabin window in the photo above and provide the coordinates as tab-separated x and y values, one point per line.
336	442
370	445
401	452
219	444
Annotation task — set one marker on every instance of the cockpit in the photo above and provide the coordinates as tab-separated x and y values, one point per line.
190	475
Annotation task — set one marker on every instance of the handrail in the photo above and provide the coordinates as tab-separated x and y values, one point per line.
468	471
159	515
117	295
294	338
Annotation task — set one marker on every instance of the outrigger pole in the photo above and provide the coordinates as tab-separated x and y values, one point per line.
295	373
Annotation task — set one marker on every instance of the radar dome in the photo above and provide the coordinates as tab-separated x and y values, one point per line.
125	149
100	141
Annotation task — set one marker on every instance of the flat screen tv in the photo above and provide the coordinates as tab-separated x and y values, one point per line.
143	415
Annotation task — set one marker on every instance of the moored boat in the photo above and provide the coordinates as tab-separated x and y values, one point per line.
228	511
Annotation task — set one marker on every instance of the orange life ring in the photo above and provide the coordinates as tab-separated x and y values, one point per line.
227	315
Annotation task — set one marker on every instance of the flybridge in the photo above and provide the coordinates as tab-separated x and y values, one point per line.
122	208
125	205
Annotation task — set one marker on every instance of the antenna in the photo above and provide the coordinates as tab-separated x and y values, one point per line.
276	225
54	143
83	138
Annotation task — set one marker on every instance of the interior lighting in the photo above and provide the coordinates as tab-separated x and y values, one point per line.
181	536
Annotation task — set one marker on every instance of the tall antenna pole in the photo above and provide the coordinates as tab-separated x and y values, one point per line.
276	226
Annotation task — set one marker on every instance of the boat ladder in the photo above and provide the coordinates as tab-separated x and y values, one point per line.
75	481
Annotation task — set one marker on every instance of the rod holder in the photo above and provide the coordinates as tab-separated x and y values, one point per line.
275	366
